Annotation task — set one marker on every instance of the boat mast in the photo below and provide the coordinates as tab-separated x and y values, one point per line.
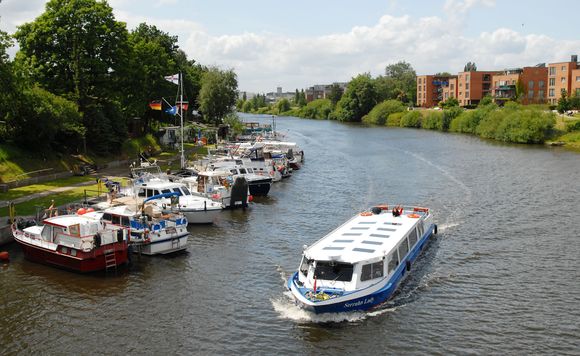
181	116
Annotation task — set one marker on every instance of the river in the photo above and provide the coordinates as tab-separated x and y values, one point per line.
501	277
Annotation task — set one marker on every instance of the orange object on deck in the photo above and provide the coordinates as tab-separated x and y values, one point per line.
4	256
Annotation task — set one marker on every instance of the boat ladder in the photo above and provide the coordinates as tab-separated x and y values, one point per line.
110	259
175	243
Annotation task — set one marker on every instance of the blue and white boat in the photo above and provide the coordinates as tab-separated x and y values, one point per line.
361	263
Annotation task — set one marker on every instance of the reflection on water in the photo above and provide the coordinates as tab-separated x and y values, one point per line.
497	279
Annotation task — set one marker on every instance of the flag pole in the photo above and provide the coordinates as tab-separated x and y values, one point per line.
181	115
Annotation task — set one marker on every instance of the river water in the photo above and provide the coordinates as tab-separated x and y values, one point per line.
501	277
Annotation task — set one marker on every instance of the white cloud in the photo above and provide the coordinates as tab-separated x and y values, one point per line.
19	12
463	6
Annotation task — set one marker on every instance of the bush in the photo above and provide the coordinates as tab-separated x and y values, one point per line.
573	126
317	109
433	120
411	119
395	119
379	114
516	124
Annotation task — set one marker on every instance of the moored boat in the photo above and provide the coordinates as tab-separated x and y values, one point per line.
76	242
360	264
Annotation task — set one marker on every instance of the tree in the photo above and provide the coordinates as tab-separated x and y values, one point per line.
283	105
73	47
563	102
217	97
470	67
301	99
399	82
358	99
335	94
8	89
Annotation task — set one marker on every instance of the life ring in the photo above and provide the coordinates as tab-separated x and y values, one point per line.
414	216
366	213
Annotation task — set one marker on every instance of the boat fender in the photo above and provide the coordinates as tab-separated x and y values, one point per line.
97	240
376	210
4	256
164	206
408	265
366	213
435	229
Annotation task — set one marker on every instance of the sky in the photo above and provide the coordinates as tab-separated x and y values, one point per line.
297	44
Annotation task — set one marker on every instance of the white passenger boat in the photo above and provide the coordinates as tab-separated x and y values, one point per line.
360	264
150	230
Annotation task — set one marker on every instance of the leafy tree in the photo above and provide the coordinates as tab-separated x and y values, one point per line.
399	82
358	99
411	119
217	97
563	103
73	47
301	99
8	88
46	121
443	74
449	103
283	105
470	67
486	100
335	94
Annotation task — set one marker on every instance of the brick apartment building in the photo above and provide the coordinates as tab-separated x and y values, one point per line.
537	84
563	76
431	89
532	82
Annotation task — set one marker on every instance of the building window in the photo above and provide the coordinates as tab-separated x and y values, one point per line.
530	94
578	78
452	86
461	85
460	93
467	94
540	84
467	78
446	96
563	80
540	94
552	82
551	93
552	70
531	84
563	68
466	86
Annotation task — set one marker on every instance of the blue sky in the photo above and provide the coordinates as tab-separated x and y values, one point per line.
296	44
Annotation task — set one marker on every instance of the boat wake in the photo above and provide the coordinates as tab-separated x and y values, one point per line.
443	227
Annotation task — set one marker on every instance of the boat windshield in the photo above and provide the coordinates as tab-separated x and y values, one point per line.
333	271
304	265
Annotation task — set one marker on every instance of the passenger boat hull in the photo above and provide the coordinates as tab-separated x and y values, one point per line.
84	262
208	216
362	299
163	247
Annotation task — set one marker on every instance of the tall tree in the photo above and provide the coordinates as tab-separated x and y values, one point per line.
217	97
335	94
470	67
358	99
73	47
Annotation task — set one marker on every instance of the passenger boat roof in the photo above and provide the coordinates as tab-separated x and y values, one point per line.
363	237
74	219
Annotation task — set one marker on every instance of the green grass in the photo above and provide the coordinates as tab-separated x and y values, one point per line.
37	188
60	199
16	162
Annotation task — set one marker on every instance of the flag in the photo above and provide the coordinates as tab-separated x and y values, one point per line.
314	287
172	110
173	78
184	104
155	105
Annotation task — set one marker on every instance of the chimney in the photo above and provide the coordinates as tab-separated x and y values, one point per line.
574	58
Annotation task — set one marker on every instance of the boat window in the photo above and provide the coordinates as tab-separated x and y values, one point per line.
73	252
116	220
304	266
386	229
185	191
372	271
360	228
250	170
243	171
176	190
403	248
141	193
46	232
351	234
333	271
365	250
412	237
334	248
233	171
166	191
420	229
343	241
155	192
369	242
380	235
125	221
107	217
393	261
